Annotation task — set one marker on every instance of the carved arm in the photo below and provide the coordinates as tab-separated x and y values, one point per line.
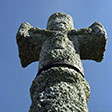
92	41
30	40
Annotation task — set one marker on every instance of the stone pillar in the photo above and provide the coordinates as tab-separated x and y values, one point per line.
60	85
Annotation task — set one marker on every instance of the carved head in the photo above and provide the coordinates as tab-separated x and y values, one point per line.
59	22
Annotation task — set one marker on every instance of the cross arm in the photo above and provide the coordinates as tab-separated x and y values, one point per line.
30	40
92	41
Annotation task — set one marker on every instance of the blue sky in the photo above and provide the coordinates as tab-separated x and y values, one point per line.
15	81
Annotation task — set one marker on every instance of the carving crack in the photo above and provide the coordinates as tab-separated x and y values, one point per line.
59	64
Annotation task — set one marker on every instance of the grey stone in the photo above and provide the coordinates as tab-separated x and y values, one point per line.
55	91
60	88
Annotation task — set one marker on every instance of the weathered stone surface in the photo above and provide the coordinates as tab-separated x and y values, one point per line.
59	48
30	40
60	22
92	41
60	88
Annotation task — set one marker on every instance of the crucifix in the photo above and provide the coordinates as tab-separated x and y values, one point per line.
59	85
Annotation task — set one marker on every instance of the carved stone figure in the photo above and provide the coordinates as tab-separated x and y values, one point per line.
60	85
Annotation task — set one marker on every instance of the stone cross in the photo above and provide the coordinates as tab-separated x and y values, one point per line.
60	85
